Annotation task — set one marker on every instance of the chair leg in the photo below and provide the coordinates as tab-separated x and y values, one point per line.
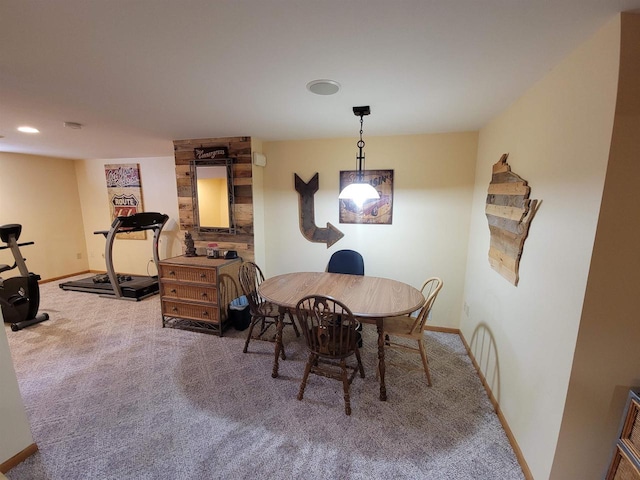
360	367
253	324
425	361
279	347
307	370
279	328
264	326
345	386
293	323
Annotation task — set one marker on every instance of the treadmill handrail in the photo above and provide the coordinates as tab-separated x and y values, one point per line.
137	222
140	221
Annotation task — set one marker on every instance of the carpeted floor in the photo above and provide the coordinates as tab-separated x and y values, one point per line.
110	394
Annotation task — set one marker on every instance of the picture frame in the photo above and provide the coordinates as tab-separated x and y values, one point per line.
124	191
373	212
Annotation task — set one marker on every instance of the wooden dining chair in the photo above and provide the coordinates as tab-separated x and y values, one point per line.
329	329
263	312
409	327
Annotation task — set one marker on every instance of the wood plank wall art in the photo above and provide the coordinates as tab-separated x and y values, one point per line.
509	213
306	210
239	149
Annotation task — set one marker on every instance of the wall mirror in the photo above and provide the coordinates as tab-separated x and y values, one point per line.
213	195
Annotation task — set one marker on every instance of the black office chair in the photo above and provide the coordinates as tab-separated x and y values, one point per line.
346	261
349	262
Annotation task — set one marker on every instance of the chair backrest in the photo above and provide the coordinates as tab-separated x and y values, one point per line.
430	289
329	326
346	261
250	277
228	289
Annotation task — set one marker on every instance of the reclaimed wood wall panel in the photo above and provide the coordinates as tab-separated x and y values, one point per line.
509	213
239	149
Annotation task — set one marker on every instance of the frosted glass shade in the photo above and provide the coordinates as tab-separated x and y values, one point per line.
359	193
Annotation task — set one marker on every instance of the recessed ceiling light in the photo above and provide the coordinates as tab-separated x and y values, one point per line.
25	129
323	87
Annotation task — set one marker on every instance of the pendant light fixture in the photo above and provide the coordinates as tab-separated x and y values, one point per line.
359	191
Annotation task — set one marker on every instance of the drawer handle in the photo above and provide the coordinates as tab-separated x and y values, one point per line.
203	275
174	309
171	272
205	314
204	295
173	290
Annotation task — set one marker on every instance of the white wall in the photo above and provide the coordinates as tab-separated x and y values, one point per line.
41	194
558	136
159	194
14	424
433	182
259	227
606	363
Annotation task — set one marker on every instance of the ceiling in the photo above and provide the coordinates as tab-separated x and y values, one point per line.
139	74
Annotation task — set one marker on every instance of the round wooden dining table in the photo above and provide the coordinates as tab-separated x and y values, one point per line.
370	299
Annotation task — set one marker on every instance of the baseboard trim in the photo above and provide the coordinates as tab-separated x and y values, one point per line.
18	458
442	329
496	406
54	279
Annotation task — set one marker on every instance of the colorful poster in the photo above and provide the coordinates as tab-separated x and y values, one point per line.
125	194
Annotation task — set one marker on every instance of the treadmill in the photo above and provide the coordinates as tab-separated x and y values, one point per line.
124	287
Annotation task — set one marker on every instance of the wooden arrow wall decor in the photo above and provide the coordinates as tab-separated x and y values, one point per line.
308	227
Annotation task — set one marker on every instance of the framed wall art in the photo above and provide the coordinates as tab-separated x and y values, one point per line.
125	194
379	211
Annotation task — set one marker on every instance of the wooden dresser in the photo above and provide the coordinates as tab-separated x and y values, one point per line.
195	292
625	464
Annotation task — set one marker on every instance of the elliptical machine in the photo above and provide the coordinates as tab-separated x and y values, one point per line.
19	296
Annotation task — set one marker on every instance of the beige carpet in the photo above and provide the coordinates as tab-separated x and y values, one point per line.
112	395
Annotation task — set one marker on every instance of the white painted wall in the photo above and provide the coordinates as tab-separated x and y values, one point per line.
606	363
15	434
159	194
433	177
41	194
259	227
558	135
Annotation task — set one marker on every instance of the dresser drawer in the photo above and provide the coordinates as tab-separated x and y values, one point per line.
198	293
192	311
630	434
622	468
188	274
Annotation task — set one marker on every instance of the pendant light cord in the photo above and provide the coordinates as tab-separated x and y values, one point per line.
360	156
